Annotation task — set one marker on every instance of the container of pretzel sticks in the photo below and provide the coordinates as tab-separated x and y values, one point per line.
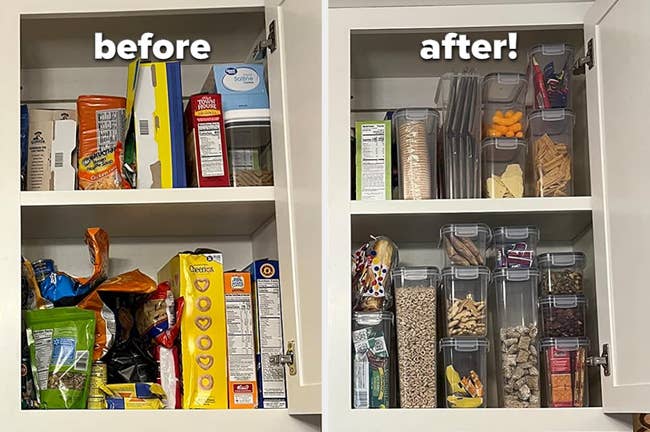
416	130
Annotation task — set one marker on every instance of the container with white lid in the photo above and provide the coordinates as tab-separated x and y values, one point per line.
248	135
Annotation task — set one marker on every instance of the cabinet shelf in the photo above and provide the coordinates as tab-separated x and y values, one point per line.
145	212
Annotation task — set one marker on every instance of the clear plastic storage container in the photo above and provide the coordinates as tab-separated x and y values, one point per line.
517	328
466	297
459	94
504	167
465	244
550	67
515	246
373	383
561	273
415	313
248	136
465	360
551	139
504	99
563	315
416	134
564	363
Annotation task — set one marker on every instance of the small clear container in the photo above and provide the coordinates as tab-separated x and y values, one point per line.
415	315
416	132
465	360
561	273
248	136
504	99
563	315
504	167
517	327
373	383
564	363
466	297
550	67
465	244
551	141
515	246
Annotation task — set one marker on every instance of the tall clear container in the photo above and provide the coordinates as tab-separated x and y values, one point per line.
515	246
416	132
564	363
465	360
465	244
516	324
504	99
551	139
561	273
373	383
550	67
504	167
248	135
415	311
466	300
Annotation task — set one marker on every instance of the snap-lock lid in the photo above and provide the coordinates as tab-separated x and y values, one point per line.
563	301
415	113
504	87
551	49
371	318
515	233
416	273
465	344
503	143
561	259
515	274
565	344
466	230
552	115
465	273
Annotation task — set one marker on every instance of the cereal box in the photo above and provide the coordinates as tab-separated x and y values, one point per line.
199	279
242	381
269	340
373	160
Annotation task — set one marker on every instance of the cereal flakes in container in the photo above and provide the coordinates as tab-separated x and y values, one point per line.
466	294
561	273
564	363
465	361
415	310
465	244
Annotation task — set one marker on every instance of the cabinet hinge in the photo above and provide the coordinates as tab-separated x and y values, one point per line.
579	67
267	44
602	360
287	359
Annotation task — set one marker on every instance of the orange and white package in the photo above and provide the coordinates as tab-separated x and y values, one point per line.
101	142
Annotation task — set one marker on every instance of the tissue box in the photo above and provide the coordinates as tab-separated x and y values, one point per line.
241	86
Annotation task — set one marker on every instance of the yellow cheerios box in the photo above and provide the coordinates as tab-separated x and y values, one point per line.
198	278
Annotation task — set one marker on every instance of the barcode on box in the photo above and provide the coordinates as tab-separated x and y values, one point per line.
144	127
58	160
81	362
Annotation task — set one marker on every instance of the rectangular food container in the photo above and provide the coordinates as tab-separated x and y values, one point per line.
466	308
504	99
515	246
416	133
551	138
561	273
550	67
465	244
565	372
373	383
415	311
465	361
563	315
248	135
516	324
504	167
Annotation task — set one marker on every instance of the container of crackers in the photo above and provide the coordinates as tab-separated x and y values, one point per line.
465	361
465	244
551	139
465	300
565	378
504	162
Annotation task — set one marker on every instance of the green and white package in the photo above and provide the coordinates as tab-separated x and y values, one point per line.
61	344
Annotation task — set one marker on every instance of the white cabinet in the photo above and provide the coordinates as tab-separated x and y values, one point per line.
374	66
50	53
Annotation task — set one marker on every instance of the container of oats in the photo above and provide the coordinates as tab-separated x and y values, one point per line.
517	329
416	131
551	139
561	273
465	244
504	167
465	305
415	313
465	361
564	363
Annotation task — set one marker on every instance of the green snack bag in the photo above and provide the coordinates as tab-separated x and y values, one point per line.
61	344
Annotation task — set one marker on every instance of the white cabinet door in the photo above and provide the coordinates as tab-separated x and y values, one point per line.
618	98
295	71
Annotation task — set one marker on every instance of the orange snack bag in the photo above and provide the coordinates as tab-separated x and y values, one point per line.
101	142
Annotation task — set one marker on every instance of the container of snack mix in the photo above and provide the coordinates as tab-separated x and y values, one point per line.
466	295
515	246
465	362
561	273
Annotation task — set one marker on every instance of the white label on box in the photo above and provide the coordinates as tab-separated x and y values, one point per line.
270	334
210	153
110	128
373	162
243	398
241	345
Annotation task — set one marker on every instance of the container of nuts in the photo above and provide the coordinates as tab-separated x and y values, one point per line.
563	315
465	306
415	313
465	360
465	244
561	273
516	324
564	363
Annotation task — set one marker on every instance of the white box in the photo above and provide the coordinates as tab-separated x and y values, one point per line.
64	143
